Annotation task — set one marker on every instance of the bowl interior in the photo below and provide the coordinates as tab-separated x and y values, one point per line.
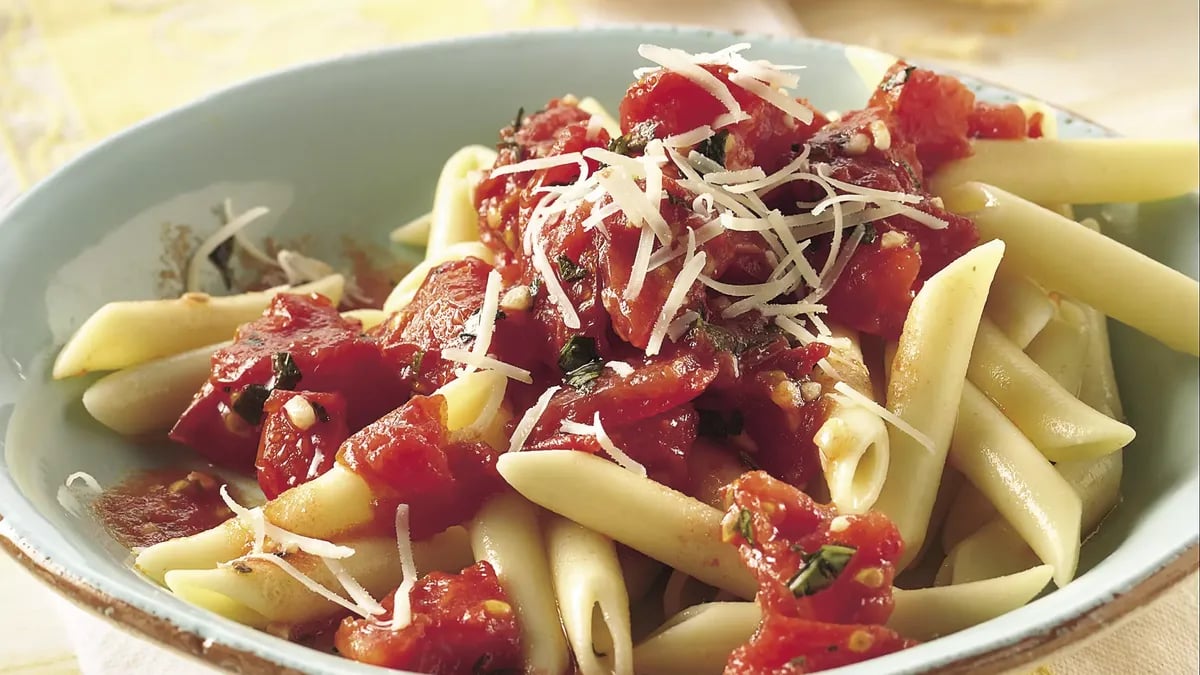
352	148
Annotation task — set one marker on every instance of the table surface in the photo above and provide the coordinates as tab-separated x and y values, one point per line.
1127	64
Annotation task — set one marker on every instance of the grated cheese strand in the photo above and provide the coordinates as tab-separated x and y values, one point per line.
361	596
891	417
543	163
402	608
625	461
487	363
209	245
308	582
679	61
487	317
530	419
678	294
777	98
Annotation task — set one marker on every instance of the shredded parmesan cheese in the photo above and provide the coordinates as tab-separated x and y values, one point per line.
487	363
858	398
530	419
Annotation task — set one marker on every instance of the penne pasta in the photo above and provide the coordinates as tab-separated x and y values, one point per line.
698	640
591	597
260	593
506	534
1017	479
407	289
453	219
369	318
1078	171
1061	348
592	107
970	511
149	397
335	502
1059	424
926	382
413	233
1098	384
166	327
853	441
1018	306
1135	289
666	525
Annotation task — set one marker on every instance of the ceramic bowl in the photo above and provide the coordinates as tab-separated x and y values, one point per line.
352	148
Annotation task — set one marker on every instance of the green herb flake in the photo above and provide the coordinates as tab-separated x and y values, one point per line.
569	270
715	424
576	353
321	412
713	147
635	141
220	258
519	119
287	373
721	338
897	80
470	327
583	376
417	359
820	569
870	234
535	286
248	403
745	525
748	461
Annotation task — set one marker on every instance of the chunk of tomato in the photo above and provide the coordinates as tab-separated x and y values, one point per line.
302	431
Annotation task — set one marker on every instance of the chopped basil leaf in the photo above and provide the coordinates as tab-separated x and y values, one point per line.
322	413
635	140
220	258
714	424
912	175
519	120
713	147
569	270
897	80
248	403
672	198
287	373
721	338
869	233
535	286
748	461
745	525
820	569
578	352
583	376
416	361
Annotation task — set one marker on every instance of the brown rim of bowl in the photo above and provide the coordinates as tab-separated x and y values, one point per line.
998	660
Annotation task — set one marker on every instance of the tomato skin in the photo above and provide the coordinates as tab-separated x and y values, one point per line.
289	455
774	526
408	458
875	290
461	624
931	111
331	354
673	104
998	120
785	645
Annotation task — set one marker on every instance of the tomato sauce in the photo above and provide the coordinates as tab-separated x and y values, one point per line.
825	581
155	506
461	624
408	458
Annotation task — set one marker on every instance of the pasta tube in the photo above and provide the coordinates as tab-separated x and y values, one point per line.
335	502
506	533
413	233
970	511
1059	424
1134	289
592	107
666	525
1061	348
1098	385
926	384
591	597
1021	484
1018	307
453	219
126	333
406	290
258	592
1078	171
151	396
852	442
698	640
